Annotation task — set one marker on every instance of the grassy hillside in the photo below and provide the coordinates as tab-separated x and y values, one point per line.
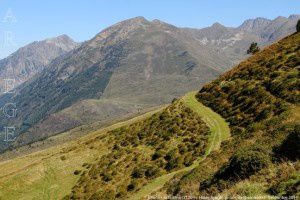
260	100
219	131
140	152
118	161
129	159
49	173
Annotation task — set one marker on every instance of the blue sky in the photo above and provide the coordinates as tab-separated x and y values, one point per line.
82	19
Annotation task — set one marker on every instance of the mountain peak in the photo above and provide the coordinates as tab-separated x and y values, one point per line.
157	21
280	18
134	20
30	59
64	37
120	29
254	24
60	39
217	25
294	17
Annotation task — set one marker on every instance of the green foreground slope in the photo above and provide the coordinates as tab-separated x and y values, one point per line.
260	99
49	174
143	152
219	131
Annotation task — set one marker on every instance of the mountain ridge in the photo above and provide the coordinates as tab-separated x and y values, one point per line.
143	62
23	64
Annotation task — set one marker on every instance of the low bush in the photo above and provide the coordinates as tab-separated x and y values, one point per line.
77	172
245	162
63	157
287	187
290	148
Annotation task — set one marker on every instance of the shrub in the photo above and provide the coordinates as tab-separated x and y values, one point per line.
290	148
63	157
287	187
106	177
121	191
171	154
158	154
138	172
245	162
188	159
86	165
76	172
152	171
182	148
133	185
253	48
174	162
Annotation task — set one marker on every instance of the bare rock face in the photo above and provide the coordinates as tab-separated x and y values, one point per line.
252	25
31	59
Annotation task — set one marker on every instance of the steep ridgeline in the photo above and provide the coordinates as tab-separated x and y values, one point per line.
260	99
232	42
168	141
32	58
129	66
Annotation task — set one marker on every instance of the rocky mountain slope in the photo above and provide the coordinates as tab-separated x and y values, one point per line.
127	67
32	58
233	41
136	61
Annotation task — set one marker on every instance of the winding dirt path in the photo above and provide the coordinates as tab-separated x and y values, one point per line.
219	132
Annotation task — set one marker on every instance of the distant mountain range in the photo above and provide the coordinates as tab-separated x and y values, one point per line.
32	58
232	42
129	66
